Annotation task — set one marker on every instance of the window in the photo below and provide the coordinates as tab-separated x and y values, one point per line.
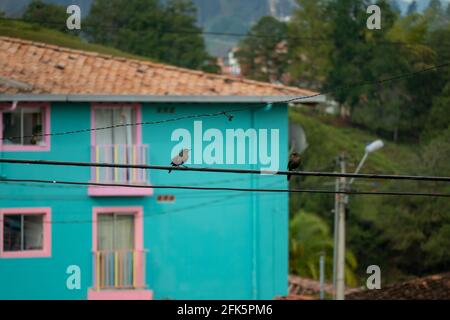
25	232
111	116
25	127
115	231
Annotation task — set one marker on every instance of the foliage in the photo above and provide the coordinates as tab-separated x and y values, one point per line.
145	27
34	32
309	55
412	8
47	15
263	53
309	237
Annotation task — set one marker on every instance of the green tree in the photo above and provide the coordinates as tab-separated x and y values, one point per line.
47	15
412	8
439	116
435	14
263	52
349	53
145	27
309	237
309	57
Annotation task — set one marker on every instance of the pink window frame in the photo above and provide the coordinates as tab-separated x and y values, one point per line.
47	247
113	191
138	229
46	121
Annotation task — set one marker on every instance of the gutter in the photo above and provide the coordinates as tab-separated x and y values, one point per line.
153	98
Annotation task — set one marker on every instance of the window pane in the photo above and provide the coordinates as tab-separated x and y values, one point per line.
32	126
103	118
33	228
12	232
11	127
124	232
105	238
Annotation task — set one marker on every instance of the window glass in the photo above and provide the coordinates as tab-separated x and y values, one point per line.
12	232
33	228
23	126
23	232
115	231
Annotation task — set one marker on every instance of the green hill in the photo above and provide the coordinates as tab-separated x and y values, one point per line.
33	32
368	233
328	138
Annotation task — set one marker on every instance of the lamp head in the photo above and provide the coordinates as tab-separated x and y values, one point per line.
374	146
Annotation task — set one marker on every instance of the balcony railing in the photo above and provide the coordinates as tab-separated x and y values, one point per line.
119	269
132	154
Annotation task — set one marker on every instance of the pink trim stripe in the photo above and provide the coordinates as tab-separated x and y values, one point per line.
120	295
47	129
47	247
99	191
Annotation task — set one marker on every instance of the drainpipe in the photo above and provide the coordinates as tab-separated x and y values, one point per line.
12	108
254	225
255	234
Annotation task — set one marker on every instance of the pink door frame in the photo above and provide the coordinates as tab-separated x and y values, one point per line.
139	294
112	191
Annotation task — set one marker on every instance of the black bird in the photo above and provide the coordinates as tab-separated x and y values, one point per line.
294	163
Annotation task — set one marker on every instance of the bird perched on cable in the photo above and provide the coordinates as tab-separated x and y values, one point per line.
294	163
180	159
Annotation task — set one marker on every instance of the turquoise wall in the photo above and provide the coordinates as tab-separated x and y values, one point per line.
206	245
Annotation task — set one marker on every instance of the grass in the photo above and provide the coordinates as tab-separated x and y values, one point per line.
326	141
33	32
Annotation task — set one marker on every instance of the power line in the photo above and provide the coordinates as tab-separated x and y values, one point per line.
226	170
160	30
227	113
378	82
348	192
175	210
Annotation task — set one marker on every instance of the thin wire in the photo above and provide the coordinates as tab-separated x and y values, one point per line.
349	192
175	210
226	170
201	115
210	33
227	114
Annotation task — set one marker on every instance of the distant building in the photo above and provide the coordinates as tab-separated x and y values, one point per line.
229	64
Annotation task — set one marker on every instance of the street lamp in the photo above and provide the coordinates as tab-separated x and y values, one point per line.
340	209
371	147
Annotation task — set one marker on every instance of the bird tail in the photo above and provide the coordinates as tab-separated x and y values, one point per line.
172	166
288	177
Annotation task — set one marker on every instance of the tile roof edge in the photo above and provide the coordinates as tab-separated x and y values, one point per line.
296	90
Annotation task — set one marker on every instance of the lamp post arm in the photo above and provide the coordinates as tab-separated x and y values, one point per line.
361	163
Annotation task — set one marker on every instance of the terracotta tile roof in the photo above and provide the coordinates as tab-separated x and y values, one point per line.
435	287
57	70
300	287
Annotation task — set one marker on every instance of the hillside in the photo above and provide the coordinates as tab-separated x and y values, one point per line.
368	215
27	31
227	16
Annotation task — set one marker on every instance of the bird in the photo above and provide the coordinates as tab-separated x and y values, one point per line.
294	163
180	159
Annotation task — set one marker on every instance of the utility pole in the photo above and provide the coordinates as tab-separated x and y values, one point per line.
340	211
336	235
322	275
340	266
